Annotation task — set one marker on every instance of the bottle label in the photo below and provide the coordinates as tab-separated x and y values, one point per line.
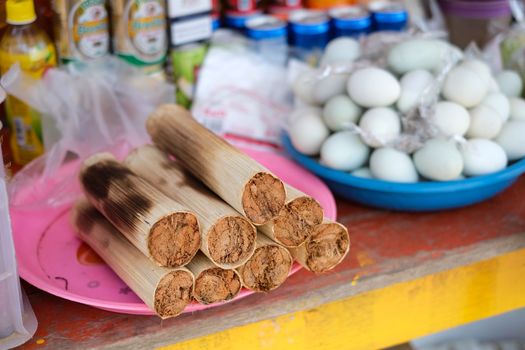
147	28
25	122
88	21
140	34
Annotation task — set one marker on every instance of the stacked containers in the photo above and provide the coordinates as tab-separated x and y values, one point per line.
351	21
283	8
391	16
268	36
308	34
308	29
238	12
237	20
191	26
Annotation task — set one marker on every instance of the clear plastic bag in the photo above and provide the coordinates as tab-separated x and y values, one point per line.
417	127
17	320
92	107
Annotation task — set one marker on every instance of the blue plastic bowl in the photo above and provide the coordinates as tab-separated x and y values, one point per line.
422	196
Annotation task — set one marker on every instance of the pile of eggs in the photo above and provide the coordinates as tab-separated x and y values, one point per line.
352	120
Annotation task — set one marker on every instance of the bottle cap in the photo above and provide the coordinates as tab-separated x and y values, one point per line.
20	11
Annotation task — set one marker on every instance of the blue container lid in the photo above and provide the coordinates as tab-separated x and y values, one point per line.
215	22
237	19
265	27
309	22
388	12
350	17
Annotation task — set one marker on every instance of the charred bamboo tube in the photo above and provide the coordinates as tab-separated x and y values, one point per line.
227	237
296	220
213	284
324	249
166	291
268	268
240	181
158	226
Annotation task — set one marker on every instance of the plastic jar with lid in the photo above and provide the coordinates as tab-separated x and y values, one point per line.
308	34
475	21
237	20
268	38
350	21
387	15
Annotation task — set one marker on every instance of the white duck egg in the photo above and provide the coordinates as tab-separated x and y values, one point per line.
339	112
392	165
363	172
511	138
345	151
450	118
493	86
480	68
481	156
413	84
380	126
485	122
340	51
303	87
329	86
439	160
414	54
373	87
465	87
308	133
301	111
517	108
510	83
500	103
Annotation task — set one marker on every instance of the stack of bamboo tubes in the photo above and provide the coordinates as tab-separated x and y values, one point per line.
202	225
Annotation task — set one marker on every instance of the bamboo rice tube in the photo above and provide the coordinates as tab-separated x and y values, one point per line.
240	181
268	268
166	291
227	237
158	226
324	249
296	220
213	284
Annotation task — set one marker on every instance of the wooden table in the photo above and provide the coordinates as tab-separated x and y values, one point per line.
407	275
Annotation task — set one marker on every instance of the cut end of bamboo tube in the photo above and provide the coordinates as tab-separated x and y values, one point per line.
231	241
263	198
327	247
175	239
216	285
173	293
267	269
296	221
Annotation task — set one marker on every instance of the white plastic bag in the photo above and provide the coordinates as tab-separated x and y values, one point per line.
99	106
240	94
17	320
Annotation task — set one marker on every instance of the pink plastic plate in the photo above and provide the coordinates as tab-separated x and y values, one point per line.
52	258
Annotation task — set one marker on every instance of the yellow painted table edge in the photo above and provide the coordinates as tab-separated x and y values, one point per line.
386	316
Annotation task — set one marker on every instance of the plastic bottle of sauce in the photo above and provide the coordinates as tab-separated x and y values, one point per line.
23	42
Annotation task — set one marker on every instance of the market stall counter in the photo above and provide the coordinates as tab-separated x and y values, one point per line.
407	275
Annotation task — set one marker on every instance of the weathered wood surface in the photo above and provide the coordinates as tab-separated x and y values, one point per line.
471	257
